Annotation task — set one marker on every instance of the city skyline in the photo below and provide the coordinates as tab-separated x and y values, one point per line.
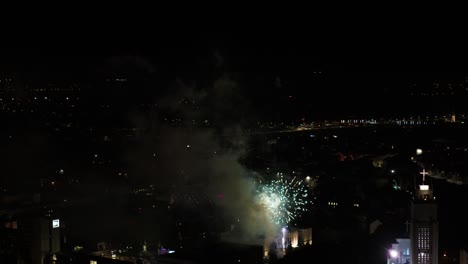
229	149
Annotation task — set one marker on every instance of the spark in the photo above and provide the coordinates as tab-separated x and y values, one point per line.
283	200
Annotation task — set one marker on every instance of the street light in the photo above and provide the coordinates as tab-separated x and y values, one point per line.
393	256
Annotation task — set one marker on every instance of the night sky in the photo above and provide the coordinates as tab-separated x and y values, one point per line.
204	111
307	77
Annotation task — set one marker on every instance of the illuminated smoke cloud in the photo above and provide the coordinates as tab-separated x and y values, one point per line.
201	151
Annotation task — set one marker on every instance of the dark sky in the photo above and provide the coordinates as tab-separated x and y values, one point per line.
355	70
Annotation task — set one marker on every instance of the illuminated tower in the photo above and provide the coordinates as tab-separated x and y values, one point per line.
424	232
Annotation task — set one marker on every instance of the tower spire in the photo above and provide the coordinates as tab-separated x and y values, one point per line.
424	173
424	234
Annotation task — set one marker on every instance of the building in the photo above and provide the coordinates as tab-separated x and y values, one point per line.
463	256
287	237
424	232
39	237
400	252
300	237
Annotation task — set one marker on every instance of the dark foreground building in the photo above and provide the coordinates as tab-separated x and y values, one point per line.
219	253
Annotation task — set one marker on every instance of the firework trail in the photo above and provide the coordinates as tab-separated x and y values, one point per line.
283	200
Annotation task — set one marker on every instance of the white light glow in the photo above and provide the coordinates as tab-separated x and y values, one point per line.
55	223
294	237
423	187
419	151
393	253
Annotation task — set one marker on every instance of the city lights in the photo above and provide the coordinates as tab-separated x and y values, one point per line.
168	147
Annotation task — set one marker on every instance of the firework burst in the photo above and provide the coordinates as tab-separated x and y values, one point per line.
283	200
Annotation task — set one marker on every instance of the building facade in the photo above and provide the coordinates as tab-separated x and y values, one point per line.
39	237
424	232
463	256
400	252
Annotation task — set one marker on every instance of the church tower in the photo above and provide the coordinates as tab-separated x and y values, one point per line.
424	233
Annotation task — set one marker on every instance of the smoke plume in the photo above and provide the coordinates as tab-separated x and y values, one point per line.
451	177
193	140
